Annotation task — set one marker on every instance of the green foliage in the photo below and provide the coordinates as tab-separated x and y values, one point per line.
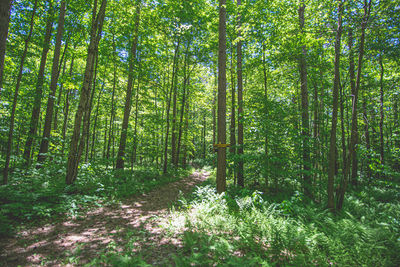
242	227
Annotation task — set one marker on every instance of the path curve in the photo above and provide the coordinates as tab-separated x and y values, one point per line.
137	219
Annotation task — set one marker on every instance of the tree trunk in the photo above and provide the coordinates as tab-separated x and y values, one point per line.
305	132
15	100
86	125
367	136
44	145
112	116
128	100
266	146
135	139
37	102
221	160
173	130
354	164
95	35
336	84
354	122
185	138
5	8
66	109
186	77
240	175
232	127
60	90
174	69
382	149
96	116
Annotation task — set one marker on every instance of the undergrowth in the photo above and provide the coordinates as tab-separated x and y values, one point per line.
37	195
243	227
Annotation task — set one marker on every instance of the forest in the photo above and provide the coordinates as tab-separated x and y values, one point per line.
199	133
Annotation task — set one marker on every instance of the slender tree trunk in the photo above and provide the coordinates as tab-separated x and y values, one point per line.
354	121
367	136
128	100
240	174
186	138
266	146
336	84
221	160
86	125
173	130
15	100
95	35
113	108
37	102
186	77
135	139
60	90
232	128
169	96
396	163
96	116
305	132
44	145
354	164
382	149
66	109
5	8
214	114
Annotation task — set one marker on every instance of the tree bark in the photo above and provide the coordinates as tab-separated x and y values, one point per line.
66	108
381	148
240	174
305	132
37	102
44	145
232	126
221	157
128	100
354	119
95	36
63	62
186	77
169	96
354	164
336	84
5	8
266	146
15	100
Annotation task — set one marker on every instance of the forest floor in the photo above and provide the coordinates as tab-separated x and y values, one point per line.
133	223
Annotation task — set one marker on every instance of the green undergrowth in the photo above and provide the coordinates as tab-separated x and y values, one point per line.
244	227
35	196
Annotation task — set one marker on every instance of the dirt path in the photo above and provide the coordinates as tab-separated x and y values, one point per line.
133	224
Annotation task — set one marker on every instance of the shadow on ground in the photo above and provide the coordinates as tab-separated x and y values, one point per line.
134	224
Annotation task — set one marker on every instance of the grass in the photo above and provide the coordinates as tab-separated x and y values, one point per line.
244	227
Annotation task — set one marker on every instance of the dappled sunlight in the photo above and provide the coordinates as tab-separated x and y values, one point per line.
108	228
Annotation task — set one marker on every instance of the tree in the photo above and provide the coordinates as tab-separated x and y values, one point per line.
240	177
5	7
221	161
354	116
15	99
95	36
44	145
37	103
336	84
128	101
305	132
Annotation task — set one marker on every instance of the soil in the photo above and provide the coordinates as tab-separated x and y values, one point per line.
133	224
